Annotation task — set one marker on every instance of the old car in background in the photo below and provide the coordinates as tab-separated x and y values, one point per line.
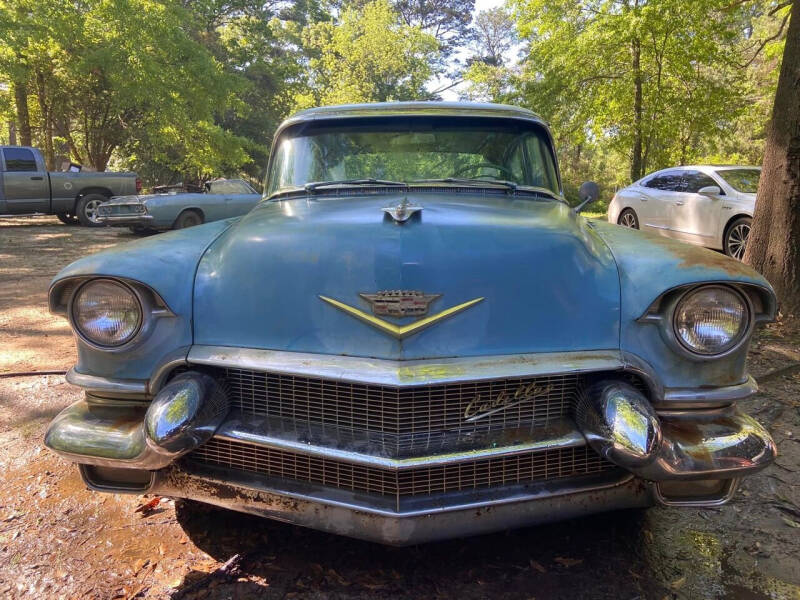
706	205
222	199
26	187
413	337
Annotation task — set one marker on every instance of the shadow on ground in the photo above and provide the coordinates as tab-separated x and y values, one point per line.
602	554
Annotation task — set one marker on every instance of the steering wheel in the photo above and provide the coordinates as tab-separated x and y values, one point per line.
508	174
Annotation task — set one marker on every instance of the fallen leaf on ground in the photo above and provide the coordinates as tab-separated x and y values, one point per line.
568	562
791	523
536	565
147	508
677	584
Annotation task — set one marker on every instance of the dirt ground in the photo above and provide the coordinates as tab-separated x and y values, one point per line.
58	540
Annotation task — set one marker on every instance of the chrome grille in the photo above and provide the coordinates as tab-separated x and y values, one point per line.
472	475
403	410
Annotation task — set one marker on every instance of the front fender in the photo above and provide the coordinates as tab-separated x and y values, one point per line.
166	264
649	265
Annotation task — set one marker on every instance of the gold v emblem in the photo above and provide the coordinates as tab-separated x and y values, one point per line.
399	331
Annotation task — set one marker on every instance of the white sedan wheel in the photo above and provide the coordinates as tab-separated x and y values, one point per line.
736	238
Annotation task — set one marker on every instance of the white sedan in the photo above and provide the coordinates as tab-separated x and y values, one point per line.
709	206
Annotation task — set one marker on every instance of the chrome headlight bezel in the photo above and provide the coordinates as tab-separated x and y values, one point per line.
735	343
138	298
663	310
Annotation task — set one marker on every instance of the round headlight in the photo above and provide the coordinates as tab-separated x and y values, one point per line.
711	320
106	313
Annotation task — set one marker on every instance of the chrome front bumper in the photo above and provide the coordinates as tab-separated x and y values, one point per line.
688	457
126	220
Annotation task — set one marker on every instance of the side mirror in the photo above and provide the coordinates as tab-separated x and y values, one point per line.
588	192
709	190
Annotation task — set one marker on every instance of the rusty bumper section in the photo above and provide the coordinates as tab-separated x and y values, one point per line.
436	519
679	458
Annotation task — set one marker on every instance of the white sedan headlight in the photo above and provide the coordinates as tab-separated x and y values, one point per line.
106	313
711	320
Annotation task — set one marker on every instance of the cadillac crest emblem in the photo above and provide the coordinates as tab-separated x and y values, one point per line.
400	303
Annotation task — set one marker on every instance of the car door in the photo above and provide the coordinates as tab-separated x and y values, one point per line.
26	186
695	217
656	194
239	196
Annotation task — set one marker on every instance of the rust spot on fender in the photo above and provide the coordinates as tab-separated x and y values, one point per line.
692	257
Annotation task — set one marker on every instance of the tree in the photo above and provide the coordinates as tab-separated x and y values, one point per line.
773	246
488	75
493	35
369	56
446	20
621	77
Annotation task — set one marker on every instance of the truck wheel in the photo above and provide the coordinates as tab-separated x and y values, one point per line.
67	218
87	209
188	218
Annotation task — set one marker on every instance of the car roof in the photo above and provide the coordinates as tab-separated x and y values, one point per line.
402	109
702	168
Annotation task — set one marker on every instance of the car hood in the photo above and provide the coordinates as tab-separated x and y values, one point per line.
547	282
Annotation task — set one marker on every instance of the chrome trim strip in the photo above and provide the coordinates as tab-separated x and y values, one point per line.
172	361
406	372
728	394
564	434
106	385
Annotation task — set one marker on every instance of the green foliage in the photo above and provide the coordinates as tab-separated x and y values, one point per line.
581	75
369	56
190	89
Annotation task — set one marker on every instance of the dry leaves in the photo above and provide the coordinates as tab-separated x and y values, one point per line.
148	508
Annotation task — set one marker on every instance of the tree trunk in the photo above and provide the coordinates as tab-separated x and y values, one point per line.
23	117
47	121
637	167
774	244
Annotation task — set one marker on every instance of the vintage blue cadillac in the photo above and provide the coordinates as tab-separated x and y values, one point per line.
413	337
221	199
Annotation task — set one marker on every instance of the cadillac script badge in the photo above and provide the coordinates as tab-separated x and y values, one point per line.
400	303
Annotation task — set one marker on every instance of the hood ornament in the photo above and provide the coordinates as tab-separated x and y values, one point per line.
400	303
403	211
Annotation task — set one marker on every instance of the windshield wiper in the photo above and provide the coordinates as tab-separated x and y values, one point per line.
510	185
310	187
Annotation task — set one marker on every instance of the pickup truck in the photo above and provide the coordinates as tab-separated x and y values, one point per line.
27	187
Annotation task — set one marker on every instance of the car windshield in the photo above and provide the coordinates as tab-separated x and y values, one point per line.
409	150
742	180
230	186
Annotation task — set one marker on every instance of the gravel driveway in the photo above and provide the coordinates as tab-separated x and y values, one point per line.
59	541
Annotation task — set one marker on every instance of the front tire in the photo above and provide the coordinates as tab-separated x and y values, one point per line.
627	218
188	218
67	218
87	209
735	241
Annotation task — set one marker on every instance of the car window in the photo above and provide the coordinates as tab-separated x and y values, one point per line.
669	181
742	180
230	186
19	159
695	181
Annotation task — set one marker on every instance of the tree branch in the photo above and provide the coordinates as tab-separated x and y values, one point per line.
766	41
